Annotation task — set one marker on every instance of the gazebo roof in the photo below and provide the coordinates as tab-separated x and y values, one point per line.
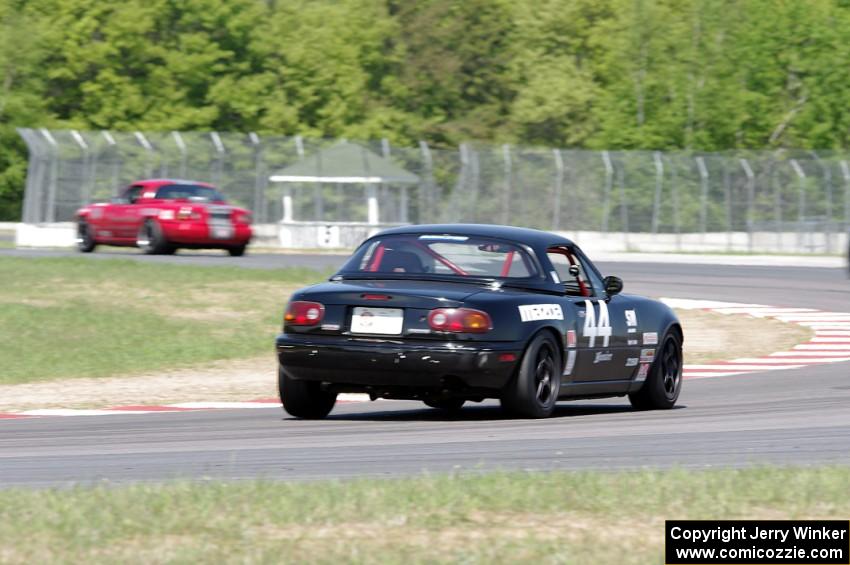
345	163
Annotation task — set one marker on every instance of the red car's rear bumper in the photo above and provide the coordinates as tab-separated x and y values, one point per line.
202	234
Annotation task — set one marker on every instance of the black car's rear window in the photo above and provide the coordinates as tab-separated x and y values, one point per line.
188	191
445	255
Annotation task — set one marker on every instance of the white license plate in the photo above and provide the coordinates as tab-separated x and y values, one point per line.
385	321
221	232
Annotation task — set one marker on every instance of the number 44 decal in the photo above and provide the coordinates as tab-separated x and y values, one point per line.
593	330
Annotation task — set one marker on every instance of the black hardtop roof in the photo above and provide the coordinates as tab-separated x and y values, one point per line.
534	238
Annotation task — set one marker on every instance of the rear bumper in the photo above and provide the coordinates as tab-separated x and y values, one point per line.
358	364
199	234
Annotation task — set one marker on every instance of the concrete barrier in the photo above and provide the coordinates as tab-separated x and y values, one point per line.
347	235
60	234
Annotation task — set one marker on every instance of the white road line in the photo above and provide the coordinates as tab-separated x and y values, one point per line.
690	374
79	412
762	312
786	360
221	405
742	367
799	353
823	347
691	304
829	339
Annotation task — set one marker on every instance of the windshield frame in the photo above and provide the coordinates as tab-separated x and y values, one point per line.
357	257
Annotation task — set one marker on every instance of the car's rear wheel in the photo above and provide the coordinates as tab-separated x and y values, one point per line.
85	237
304	399
445	404
533	391
237	251
152	241
664	382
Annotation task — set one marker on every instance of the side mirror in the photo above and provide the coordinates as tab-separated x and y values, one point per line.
613	285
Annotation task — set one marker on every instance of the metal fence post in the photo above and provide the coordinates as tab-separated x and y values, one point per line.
750	199
219	159
659	179
606	197
429	197
143	141
624	204
559	183
86	184
116	164
845	172
827	181
801	199
456	207
259	181
53	156
32	190
474	177
181	147
506	194
674	198
777	202
703	197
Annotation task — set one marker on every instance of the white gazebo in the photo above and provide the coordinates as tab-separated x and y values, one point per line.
347	163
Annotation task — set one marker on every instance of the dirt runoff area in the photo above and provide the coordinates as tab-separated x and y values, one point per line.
708	337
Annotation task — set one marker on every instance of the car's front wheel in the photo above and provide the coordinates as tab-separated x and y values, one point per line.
85	237
533	392
304	399
664	382
151	240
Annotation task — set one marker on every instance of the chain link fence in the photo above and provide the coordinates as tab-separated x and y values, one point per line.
553	189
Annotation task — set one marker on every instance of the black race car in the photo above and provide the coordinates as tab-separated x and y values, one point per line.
452	313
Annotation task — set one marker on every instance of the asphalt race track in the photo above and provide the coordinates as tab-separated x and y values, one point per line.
786	417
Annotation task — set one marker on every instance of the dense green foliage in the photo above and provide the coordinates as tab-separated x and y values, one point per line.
621	74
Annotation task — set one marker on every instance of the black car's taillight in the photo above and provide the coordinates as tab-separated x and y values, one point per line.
459	320
304	313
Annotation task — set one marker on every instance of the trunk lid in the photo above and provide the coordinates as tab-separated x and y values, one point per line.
391	293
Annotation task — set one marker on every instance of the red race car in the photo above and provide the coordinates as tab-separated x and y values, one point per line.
160	215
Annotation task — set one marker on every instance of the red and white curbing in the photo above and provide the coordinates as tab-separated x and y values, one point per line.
830	344
158	409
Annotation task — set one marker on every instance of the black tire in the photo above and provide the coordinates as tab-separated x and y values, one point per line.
664	382
533	391
151	240
304	399
449	405
237	251
85	238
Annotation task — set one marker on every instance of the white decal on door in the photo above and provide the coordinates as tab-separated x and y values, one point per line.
592	329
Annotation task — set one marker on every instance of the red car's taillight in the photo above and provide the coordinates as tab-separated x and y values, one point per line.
304	313
459	320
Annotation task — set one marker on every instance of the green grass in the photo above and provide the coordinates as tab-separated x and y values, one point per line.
586	517
80	318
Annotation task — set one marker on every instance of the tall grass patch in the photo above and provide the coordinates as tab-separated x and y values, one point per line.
63	318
